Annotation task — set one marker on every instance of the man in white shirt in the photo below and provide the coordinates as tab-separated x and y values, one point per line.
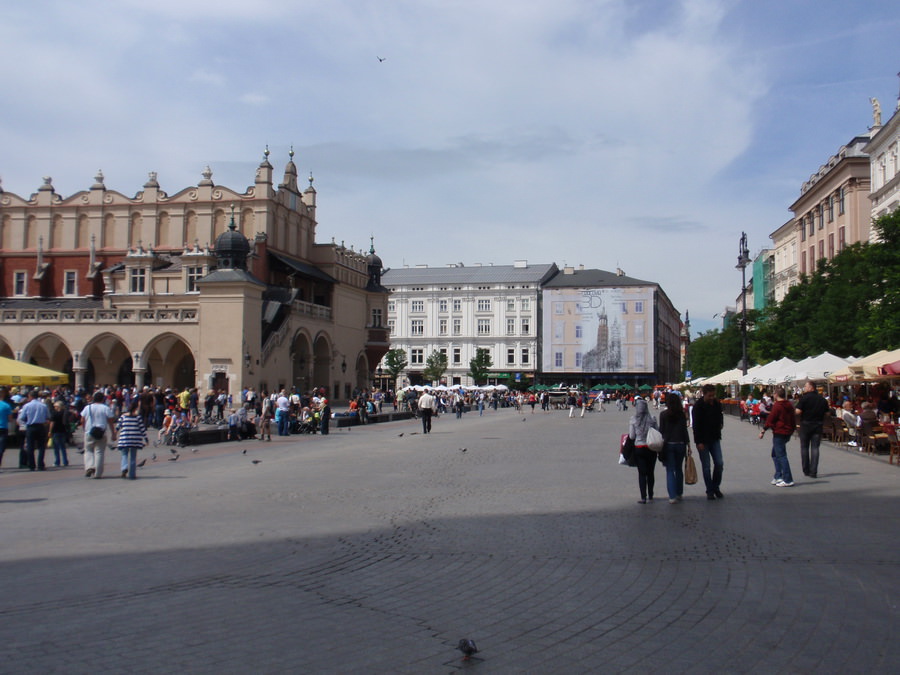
283	414
96	418
426	405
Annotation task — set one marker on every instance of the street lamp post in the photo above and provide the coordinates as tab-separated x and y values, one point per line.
743	261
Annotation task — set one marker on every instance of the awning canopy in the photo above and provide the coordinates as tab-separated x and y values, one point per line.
18	373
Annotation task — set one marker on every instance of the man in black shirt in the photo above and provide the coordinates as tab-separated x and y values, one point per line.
812	408
707	422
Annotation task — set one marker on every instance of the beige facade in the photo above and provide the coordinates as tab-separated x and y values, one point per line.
115	289
833	209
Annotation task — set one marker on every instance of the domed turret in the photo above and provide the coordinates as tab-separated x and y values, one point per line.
374	267
232	247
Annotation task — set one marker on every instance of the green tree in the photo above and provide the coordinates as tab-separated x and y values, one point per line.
395	363
435	366
480	366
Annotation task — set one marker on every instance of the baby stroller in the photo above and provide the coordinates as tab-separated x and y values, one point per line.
308	426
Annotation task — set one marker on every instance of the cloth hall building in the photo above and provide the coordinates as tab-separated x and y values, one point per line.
208	287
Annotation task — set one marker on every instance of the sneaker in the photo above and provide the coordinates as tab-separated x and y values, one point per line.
673	501
782	483
852	444
775	481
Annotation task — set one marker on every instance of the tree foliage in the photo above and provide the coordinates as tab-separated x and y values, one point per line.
435	366
480	366
849	306
395	362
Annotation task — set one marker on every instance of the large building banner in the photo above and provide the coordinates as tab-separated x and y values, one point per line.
598	330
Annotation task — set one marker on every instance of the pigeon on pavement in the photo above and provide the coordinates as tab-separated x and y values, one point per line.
467	647
174	459
255	461
142	462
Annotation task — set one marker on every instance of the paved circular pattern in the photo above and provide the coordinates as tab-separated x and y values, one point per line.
368	551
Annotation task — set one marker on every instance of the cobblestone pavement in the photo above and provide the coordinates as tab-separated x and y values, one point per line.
375	550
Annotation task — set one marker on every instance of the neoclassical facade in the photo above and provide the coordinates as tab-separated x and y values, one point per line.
884	151
117	289
459	309
833	209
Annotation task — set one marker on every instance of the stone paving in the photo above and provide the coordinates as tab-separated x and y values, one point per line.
375	550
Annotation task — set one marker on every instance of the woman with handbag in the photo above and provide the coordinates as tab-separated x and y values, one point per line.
673	425
644	457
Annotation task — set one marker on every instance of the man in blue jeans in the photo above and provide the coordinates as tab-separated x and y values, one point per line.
707	422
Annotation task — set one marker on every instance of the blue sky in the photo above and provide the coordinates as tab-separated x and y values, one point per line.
643	134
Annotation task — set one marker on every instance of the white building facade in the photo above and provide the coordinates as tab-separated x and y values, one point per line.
458	309
883	151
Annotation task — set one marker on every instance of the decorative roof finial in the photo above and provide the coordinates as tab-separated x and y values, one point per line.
310	179
266	153
291	152
231	225
371	243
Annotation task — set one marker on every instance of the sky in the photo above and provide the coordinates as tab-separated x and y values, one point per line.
645	135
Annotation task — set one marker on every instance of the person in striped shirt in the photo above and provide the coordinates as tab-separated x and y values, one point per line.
132	436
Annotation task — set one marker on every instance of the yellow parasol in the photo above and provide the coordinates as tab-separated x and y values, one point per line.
18	373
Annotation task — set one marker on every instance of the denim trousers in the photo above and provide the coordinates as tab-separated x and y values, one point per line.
712	480
780	458
674	454
129	461
810	438
59	449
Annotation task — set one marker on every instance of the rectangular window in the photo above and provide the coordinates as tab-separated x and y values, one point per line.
484	305
70	287
510	304
194	274
20	280
558	360
578	334
820	214
639	358
638	330
526	304
390	306
639	307
417	356
841	195
390	326
442	306
457	305
138	280
442	326
417	306
578	359
558	330
484	326
831	245
821	250
842	240
526	326
417	327
510	326
525	357
802	231
557	308
802	262
457	326
510	356
457	355
376	317
830	208
811	224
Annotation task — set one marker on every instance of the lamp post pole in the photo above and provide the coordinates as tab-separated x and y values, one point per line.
743	261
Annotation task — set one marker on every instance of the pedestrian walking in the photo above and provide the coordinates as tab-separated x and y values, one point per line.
812	408
426	410
782	420
674	429
96	418
59	433
707	423
132	435
35	417
644	457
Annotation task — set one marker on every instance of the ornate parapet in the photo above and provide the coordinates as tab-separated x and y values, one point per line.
75	316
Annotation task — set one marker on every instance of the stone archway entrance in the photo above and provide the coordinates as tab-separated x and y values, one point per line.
172	363
301	362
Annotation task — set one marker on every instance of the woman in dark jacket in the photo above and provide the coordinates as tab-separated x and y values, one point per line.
673	427
782	421
59	433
